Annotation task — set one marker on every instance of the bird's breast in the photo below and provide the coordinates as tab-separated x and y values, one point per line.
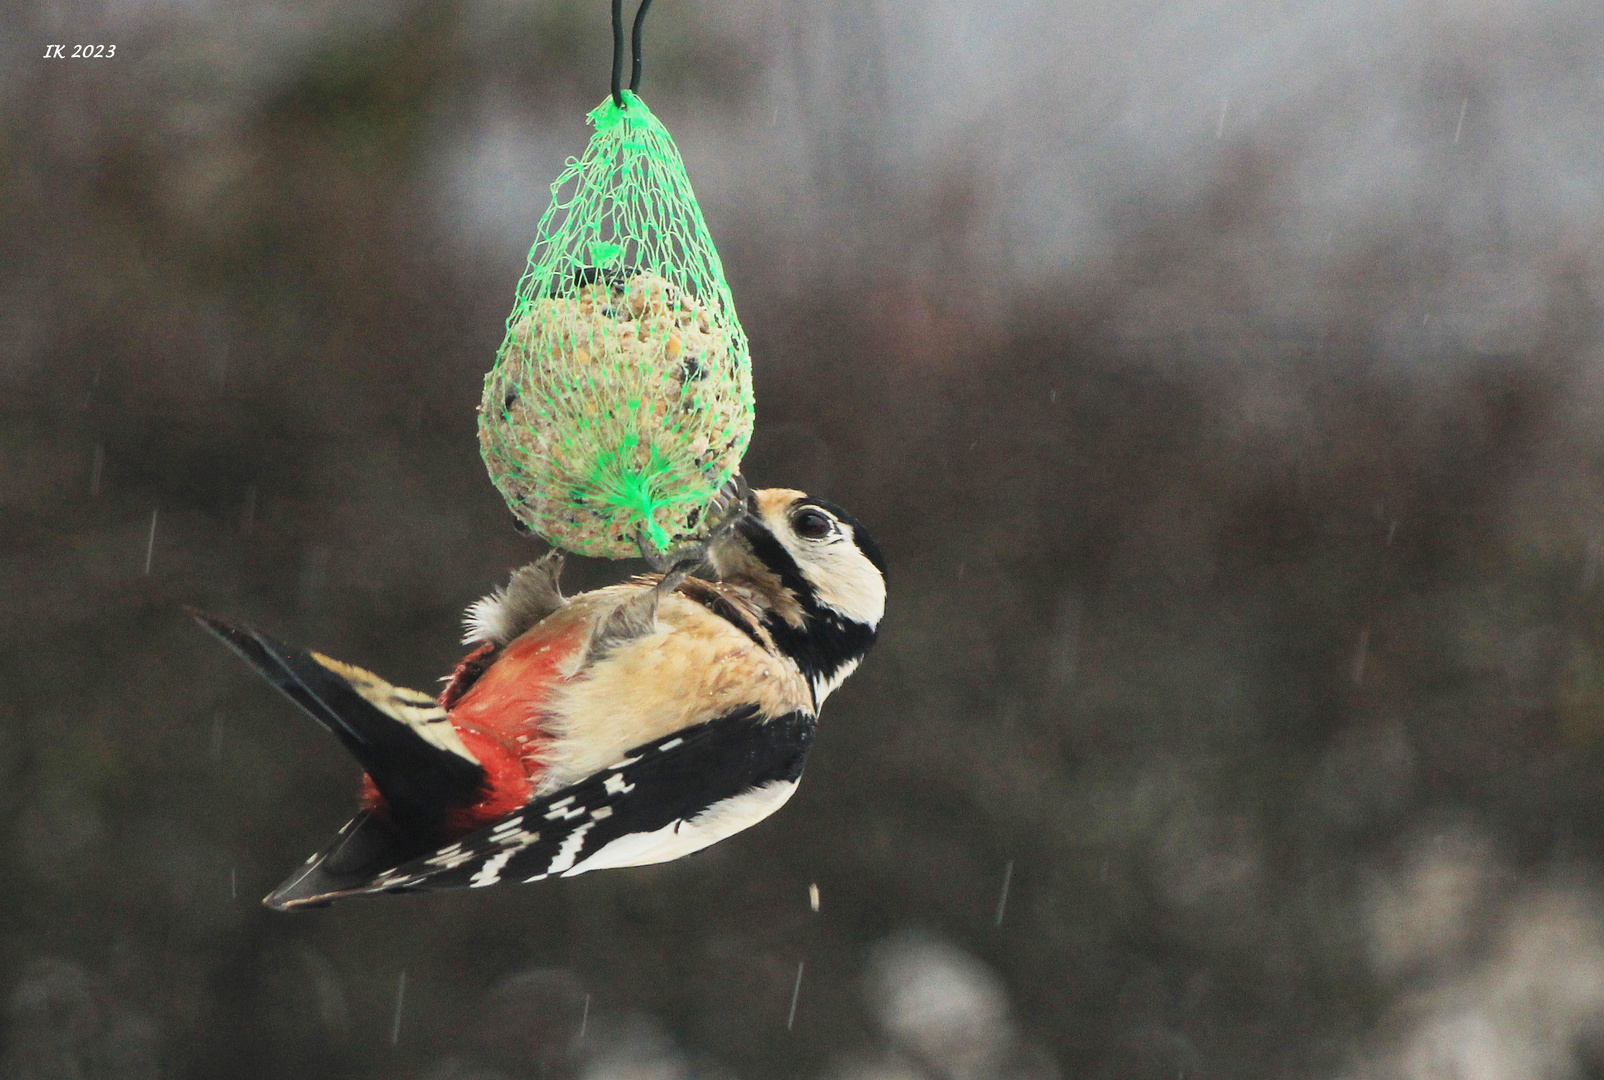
694	667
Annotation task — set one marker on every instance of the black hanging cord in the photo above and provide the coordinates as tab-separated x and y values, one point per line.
634	45
618	49
618	53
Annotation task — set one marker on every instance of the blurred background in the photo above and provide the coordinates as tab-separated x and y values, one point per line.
1222	377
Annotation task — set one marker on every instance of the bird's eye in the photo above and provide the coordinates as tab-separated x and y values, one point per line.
813	524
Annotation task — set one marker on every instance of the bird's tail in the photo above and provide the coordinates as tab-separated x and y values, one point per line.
402	738
364	848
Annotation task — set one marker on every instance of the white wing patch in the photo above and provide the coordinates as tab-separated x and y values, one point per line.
490	872
561	812
678	838
570	850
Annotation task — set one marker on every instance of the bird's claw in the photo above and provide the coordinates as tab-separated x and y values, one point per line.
729	502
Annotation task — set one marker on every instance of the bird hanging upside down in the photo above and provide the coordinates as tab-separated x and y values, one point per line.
629	725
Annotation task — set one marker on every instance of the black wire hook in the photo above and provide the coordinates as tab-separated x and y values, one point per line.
634	50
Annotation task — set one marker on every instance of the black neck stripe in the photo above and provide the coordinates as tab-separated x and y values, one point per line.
772	554
827	640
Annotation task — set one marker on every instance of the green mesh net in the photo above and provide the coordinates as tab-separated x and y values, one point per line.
621	398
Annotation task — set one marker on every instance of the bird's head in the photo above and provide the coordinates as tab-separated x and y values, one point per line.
821	571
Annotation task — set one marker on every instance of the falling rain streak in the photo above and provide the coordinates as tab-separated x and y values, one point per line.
813	897
95	466
1219	126
796	992
400	999
584	1020
1459	128
150	542
1002	900
1063	659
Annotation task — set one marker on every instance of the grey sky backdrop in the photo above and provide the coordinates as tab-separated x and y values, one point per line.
1222	379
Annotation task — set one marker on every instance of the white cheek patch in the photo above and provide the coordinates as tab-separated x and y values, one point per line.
842	577
679	838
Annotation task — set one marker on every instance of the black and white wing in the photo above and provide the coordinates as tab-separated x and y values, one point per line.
665	799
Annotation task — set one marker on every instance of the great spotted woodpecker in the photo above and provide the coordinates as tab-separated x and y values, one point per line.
629	725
